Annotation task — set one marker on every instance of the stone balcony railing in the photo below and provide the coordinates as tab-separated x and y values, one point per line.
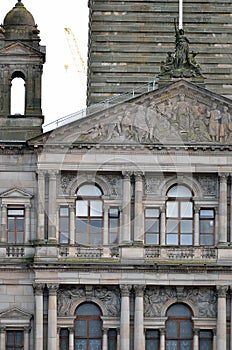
181	253
116	253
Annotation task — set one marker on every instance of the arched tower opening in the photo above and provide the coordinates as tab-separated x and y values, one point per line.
17	94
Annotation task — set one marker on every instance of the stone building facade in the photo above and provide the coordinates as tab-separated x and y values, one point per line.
116	229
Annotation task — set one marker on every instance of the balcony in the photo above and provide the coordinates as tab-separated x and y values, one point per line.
182	253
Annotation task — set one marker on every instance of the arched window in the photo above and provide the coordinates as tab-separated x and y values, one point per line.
89	215
88	327
179	214
17	94
179	328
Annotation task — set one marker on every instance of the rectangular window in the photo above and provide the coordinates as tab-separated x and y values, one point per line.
112	339
152	226
152	339
114	224
14	340
15	225
206	340
64	225
207	226
64	339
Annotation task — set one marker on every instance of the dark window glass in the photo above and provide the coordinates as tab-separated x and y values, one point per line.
206	340
15	226
14	340
207	226
64	225
64	339
179	328
179	216
112	339
88	327
89	215
152	339
114	224
152	226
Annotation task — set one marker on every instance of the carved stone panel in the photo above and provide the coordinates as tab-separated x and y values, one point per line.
203	300
209	184
69	298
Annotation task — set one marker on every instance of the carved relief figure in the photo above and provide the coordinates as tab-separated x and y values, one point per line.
183	113
66	298
110	300
214	122
225	124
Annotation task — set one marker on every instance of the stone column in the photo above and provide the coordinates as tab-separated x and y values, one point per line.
118	338
26	338
195	339
221	317
3	223
105	339
230	317
41	206
72	224
139	341
27	222
71	338
38	335
196	226
2	337
214	339
162	226
52	315
126	208
230	207
125	317
106	225
162	339
52	214
138	214
223	209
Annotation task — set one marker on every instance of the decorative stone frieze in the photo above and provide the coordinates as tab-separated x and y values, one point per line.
202	298
68	299
209	184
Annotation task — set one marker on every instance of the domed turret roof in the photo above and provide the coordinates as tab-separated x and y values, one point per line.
19	15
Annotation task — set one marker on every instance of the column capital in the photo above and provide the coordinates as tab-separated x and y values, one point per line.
139	290
41	173
127	174
27	329
197	208
38	288
125	290
223	176
162	331
71	330
138	175
52	288
2	329
196	331
221	291
53	174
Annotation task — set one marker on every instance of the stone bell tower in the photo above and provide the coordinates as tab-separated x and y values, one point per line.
21	56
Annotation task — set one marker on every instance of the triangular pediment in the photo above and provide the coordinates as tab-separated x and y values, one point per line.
16	193
15	313
180	113
19	48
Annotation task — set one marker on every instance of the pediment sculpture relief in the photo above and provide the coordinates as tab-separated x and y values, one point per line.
175	120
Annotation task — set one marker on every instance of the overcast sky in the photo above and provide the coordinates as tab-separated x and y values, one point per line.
63	92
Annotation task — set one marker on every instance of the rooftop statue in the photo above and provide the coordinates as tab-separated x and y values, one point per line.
182	63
